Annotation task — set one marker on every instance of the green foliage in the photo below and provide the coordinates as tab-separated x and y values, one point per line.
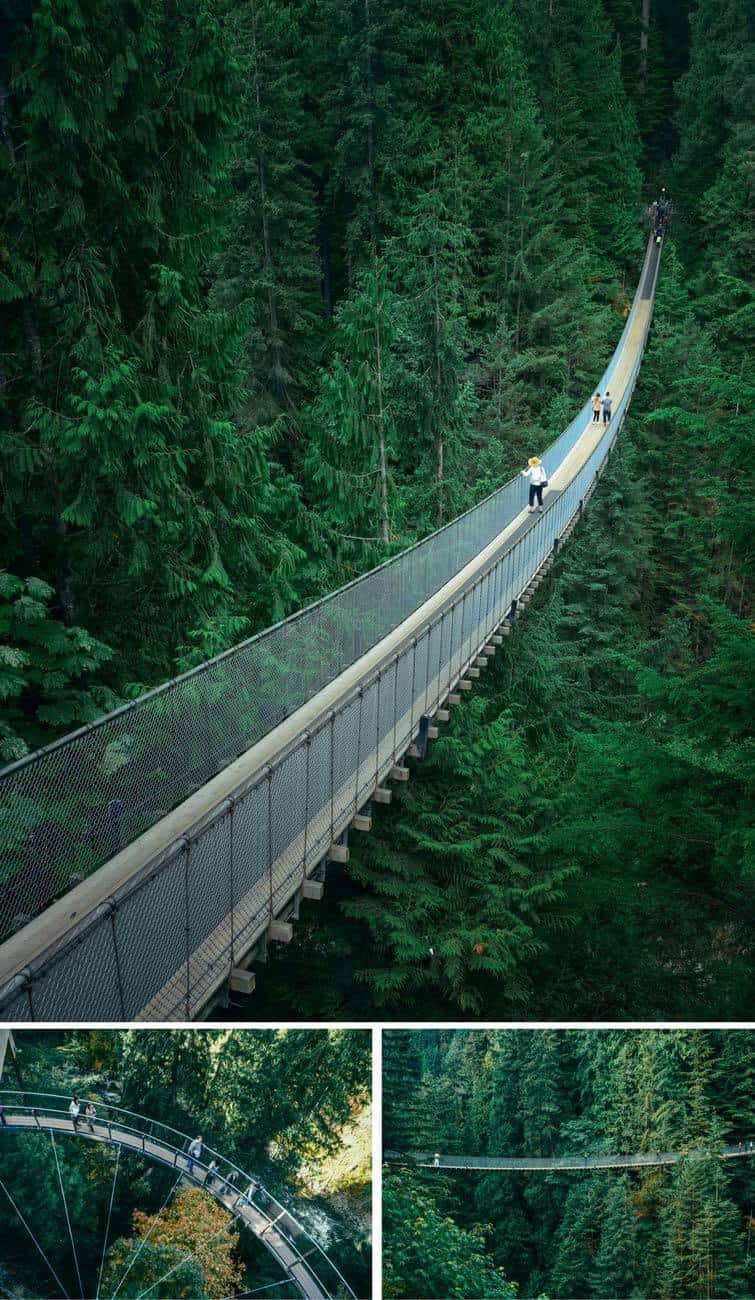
282	287
43	668
426	1253
458	893
654	1231
273	1102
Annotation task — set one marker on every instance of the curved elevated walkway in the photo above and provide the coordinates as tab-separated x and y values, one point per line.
144	860
426	1160
298	1254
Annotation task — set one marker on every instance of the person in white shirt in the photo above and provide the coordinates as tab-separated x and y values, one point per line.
74	1110
195	1152
538	478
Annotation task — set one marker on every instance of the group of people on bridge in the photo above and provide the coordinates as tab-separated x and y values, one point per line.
194	1153
660	212
535	470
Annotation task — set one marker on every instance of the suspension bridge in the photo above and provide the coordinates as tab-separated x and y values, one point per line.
302	1260
429	1160
147	859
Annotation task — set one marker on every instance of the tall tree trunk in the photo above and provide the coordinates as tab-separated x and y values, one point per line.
440	444
382	458
276	342
325	263
370	129
522	207
644	29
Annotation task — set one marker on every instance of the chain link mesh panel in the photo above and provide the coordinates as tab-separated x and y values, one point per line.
249	847
150	928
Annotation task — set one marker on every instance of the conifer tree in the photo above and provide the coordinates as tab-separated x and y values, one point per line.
119	381
354	442
270	270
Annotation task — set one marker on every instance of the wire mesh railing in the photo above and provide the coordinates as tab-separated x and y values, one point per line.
244	1195
617	1160
71	806
221	885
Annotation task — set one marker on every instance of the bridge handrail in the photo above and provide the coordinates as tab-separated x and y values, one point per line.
108	780
189	861
594	1160
152	1130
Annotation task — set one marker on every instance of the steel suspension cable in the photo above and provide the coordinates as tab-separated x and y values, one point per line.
146	1237
107	1226
269	1286
68	1217
34	1239
186	1258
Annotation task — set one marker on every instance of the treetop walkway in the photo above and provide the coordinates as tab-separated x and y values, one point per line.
302	1259
145	859
429	1160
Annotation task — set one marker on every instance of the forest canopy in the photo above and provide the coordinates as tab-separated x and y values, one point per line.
285	286
282	1106
678	1231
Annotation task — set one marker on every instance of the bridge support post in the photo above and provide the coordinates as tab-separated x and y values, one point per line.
338	853
280	931
242	981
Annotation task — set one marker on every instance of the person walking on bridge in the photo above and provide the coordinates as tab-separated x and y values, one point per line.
607	404
195	1152
436	1160
538	478
248	1195
596	409
91	1115
74	1110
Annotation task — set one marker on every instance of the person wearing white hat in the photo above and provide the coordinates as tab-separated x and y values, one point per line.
538	478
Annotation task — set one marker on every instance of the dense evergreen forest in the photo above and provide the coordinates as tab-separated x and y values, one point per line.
280	1104
662	1232
285	286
